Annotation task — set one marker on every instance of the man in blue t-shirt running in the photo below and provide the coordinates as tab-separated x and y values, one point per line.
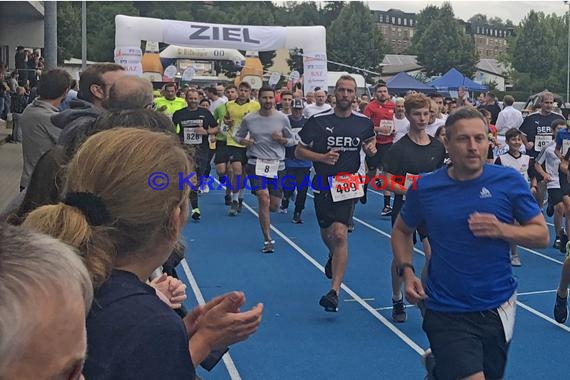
469	290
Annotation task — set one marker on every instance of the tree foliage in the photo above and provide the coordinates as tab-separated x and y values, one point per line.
441	43
537	52
68	30
353	38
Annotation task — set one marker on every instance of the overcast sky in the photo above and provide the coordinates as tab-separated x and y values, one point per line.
512	10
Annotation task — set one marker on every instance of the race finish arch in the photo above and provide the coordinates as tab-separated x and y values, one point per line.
312	39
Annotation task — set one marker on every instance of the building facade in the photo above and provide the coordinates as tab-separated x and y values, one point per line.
398	27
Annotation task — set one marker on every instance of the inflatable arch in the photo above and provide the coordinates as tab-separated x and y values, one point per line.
312	39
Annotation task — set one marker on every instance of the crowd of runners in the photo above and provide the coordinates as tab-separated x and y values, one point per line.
468	178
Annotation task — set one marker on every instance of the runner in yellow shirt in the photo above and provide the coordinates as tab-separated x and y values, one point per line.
169	103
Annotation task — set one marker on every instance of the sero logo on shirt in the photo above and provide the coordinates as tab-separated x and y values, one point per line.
343	144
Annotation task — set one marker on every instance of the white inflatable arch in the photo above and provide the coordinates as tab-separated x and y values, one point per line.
312	39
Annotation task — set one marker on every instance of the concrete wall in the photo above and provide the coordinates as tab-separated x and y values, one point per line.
29	34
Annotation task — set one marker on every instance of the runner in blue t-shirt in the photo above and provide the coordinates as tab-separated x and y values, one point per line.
469	289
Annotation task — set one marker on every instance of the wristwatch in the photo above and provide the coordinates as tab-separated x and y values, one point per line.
402	268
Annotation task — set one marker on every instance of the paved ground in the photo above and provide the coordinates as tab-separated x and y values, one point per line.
10	167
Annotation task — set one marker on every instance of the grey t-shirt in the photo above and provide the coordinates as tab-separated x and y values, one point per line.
260	129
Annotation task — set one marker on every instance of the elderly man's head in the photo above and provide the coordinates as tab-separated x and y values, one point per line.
45	293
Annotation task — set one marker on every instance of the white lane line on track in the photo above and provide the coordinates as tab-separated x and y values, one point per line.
350	292
536	292
230	365
543	316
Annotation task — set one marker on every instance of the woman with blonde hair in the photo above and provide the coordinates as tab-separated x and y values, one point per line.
124	230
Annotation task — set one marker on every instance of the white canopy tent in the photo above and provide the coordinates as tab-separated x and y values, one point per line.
312	39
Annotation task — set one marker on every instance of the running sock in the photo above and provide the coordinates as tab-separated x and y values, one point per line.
235	197
194	199
386	200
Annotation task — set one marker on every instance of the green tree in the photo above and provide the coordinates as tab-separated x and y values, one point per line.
101	27
479	18
537	64
440	42
68	30
353	39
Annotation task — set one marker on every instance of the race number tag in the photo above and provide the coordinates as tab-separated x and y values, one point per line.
507	314
191	137
346	187
386	127
266	168
565	146
224	128
411	179
540	141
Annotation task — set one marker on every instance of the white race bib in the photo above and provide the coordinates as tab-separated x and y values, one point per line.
565	146
410	180
191	137
266	168
507	314
386	127
540	141
347	188
224	128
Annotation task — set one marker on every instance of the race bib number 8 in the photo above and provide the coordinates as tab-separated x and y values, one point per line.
541	141
345	188
191	137
386	127
266	168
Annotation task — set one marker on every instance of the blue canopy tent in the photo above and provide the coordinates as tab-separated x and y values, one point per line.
453	79
404	82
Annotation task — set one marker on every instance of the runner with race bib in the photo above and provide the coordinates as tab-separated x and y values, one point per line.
266	133
193	126
537	134
333	140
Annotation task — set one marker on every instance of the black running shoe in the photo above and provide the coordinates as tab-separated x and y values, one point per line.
196	215
330	301
240	205
228	200
297	218
563	242
364	198
428	360
561	309
328	267
399	311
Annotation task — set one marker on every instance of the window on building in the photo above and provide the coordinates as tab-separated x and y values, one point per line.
411	22
478	30
381	18
399	21
487	41
393	20
406	22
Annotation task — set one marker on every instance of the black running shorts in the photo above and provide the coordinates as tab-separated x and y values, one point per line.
329	212
464	344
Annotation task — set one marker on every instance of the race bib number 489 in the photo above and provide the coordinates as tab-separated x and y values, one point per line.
345	187
540	141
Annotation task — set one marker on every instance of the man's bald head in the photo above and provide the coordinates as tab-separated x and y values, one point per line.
130	92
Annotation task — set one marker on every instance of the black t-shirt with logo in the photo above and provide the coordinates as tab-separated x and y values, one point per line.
326	131
535	125
188	120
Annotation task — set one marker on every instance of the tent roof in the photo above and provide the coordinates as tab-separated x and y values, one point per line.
453	79
404	82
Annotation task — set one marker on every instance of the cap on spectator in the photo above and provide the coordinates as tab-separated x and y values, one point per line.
298	103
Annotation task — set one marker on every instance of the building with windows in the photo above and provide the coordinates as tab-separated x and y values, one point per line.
490	41
398	27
